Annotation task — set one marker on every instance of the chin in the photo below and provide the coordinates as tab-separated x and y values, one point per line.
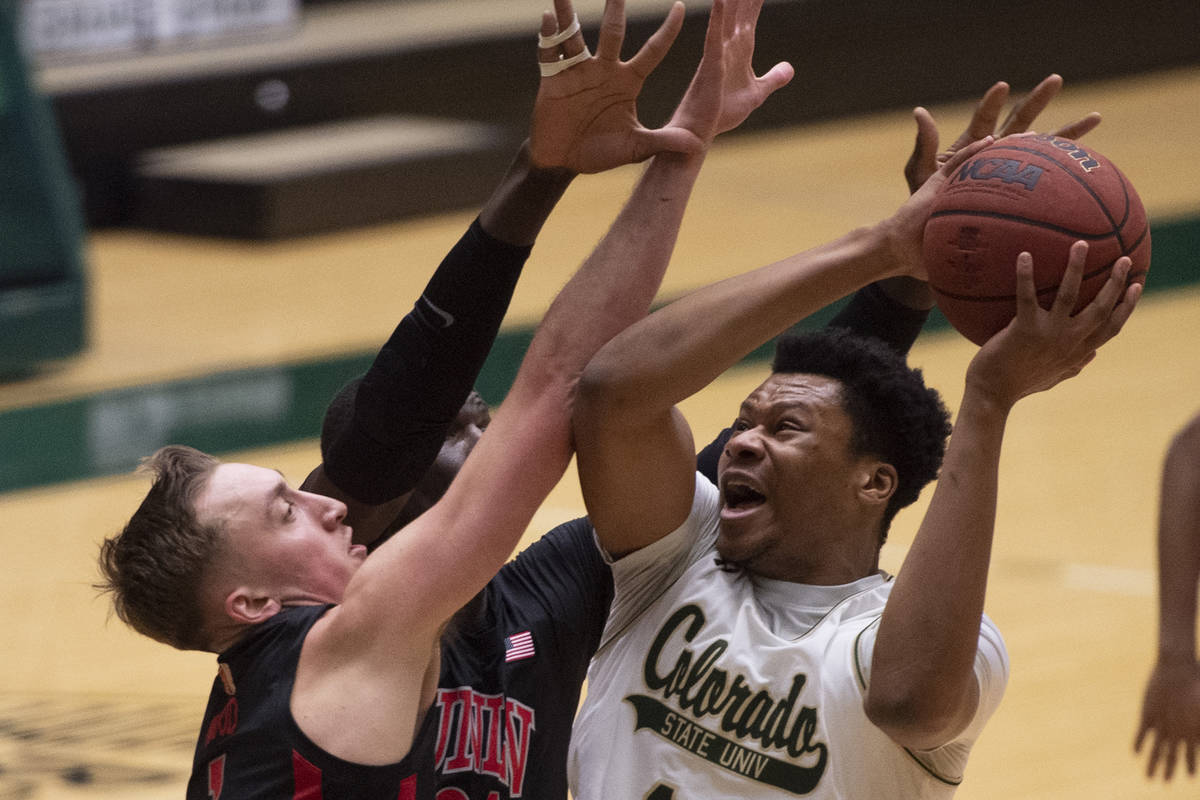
733	553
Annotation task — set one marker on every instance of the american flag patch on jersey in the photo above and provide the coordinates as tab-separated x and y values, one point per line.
518	646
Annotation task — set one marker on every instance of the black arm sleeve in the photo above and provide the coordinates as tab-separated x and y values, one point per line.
424	372
870	312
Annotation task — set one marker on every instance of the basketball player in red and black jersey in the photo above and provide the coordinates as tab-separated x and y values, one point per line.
329	662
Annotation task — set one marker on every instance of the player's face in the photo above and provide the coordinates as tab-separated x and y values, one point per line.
289	544
788	481
464	433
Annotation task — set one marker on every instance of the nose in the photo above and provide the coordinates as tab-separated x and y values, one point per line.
333	513
745	444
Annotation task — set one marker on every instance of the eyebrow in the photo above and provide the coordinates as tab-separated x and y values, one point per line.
783	405
281	488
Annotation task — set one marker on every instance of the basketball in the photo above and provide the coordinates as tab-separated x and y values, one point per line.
1028	192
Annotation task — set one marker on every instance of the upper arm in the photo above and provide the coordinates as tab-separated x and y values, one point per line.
962	721
636	469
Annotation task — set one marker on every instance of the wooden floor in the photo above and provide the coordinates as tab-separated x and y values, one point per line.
90	710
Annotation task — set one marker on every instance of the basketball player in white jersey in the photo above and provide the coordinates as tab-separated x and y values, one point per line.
755	648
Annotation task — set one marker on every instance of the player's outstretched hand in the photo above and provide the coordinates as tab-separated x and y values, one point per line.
925	158
585	116
1171	710
725	91
1043	347
905	229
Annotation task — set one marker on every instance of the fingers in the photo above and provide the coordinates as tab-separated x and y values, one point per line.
714	36
1172	754
1190	755
1068	288
549	27
1124	310
923	161
612	31
1076	129
1155	755
956	160
1025	112
777	77
564	16
1110	293
987	111
656	47
1027	302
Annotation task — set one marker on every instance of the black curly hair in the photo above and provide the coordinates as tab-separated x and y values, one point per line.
895	415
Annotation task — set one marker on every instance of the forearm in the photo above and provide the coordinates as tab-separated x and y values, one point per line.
617	282
922	689
480	520
521	204
424	372
885	312
682	347
1179	546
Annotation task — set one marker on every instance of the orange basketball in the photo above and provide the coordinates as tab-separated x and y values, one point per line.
1029	192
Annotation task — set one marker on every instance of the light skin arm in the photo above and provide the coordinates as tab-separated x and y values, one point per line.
923	690
584	120
358	690
1171	706
636	457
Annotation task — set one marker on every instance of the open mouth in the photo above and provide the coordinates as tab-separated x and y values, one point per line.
739	496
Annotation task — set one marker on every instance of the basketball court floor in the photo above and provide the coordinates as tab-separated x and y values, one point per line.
90	710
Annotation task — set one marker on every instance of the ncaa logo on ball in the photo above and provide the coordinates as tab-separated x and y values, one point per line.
1004	170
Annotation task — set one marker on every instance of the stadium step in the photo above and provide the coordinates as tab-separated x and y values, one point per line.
321	177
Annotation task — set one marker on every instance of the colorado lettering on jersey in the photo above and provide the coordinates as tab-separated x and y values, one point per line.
700	689
484	733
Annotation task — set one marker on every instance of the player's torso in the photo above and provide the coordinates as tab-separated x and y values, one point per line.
708	694
505	704
251	747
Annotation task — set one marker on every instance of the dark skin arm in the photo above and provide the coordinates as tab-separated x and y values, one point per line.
1171	706
514	214
584	120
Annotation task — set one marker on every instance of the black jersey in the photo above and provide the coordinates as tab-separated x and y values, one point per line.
513	663
250	747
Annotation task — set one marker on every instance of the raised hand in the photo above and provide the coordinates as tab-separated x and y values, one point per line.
925	158
585	116
724	91
905	229
1043	347
1171	709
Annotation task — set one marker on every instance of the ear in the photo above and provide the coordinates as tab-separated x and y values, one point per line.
877	482
245	606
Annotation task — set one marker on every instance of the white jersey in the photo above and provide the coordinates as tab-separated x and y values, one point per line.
712	684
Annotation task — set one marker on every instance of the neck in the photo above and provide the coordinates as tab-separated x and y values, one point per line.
826	561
